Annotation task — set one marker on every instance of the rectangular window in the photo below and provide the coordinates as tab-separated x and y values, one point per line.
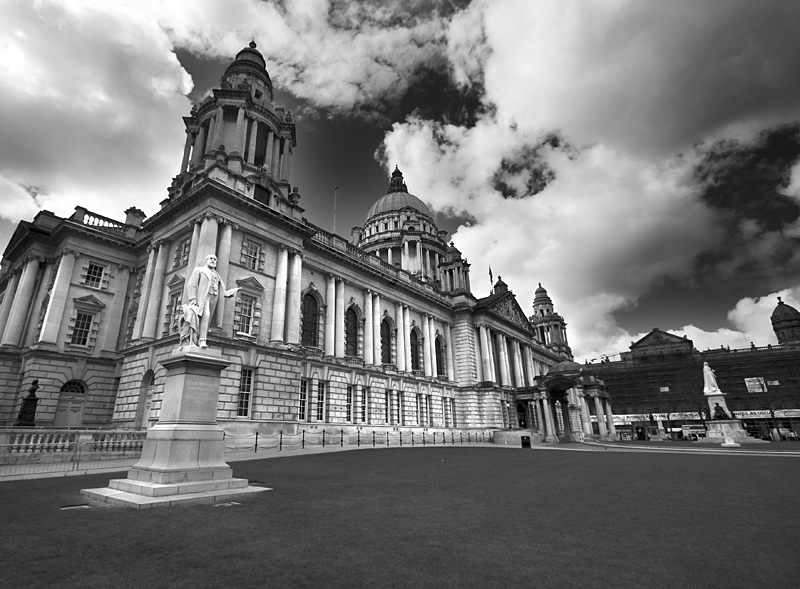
445	412
364	403
246	313
399	408
453	413
82	329
321	401
349	406
387	406
245	390
428	403
94	275
301	410
174	313
419	410
251	252
182	253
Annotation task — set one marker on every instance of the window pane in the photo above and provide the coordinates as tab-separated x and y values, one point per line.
310	321
386	343
351	333
94	276
83	326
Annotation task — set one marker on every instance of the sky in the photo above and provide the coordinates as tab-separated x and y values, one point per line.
640	159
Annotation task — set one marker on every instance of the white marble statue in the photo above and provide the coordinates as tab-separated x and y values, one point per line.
202	293
709	380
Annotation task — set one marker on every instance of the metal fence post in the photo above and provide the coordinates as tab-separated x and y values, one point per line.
323	438
304	439
280	442
341	444
256	450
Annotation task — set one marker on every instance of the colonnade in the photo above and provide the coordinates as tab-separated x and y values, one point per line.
547	407
504	360
277	151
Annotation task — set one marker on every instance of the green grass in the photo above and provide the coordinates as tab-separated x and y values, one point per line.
429	517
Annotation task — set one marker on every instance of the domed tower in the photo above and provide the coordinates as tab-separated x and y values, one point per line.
238	127
400	229
550	327
786	323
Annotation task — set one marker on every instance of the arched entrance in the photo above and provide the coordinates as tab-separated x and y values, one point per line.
71	401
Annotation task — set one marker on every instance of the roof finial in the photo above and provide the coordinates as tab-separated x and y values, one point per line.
780	302
252	44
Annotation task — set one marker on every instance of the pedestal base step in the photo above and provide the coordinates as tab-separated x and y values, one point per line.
151	489
128	499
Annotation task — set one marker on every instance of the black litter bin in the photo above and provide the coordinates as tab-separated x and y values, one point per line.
526	441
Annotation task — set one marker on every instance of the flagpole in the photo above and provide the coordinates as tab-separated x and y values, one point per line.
335	188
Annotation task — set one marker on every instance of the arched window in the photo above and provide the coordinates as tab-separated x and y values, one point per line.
310	329
439	357
386	342
350	333
414	350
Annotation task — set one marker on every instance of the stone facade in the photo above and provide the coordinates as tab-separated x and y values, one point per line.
380	332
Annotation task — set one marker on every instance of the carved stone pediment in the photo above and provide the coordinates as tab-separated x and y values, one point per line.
88	302
507	308
250	283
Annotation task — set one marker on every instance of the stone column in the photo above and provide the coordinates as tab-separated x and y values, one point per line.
286	164
586	419
548	419
601	423
376	329
279	297
517	364
199	147
293	301
404	264
529	364
251	149
389	256
276	157
58	298
193	246
330	316
448	353
499	340
212	134
8	299
268	151
478	354
432	345
114	320
369	350
225	319
21	303
241	131
401	338
486	355
144	295
612	430
153	316
418	265
339	343
218	129
407	336
436	272
565	417
187	148
207	242
426	350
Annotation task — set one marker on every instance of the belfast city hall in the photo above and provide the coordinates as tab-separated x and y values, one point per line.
378	331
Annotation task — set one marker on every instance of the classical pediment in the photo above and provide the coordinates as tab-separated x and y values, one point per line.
88	302
250	283
175	282
507	308
661	342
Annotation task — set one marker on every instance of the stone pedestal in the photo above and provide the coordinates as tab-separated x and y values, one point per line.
729	433
183	456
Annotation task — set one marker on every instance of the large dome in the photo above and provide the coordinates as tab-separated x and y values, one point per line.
398	198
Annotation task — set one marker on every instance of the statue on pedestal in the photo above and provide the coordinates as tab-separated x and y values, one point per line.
719	412
709	380
203	302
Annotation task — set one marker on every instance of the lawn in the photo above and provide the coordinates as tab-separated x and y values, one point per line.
429	517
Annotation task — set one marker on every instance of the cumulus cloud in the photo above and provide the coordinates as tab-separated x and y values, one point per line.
614	206
89	96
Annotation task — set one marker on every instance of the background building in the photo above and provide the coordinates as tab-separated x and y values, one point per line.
662	376
381	331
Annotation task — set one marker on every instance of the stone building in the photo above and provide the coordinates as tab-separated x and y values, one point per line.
378	332
661	376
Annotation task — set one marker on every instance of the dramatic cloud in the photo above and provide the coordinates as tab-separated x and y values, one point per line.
89	99
598	120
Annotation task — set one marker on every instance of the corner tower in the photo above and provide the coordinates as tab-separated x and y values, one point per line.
238	127
550	327
786	323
